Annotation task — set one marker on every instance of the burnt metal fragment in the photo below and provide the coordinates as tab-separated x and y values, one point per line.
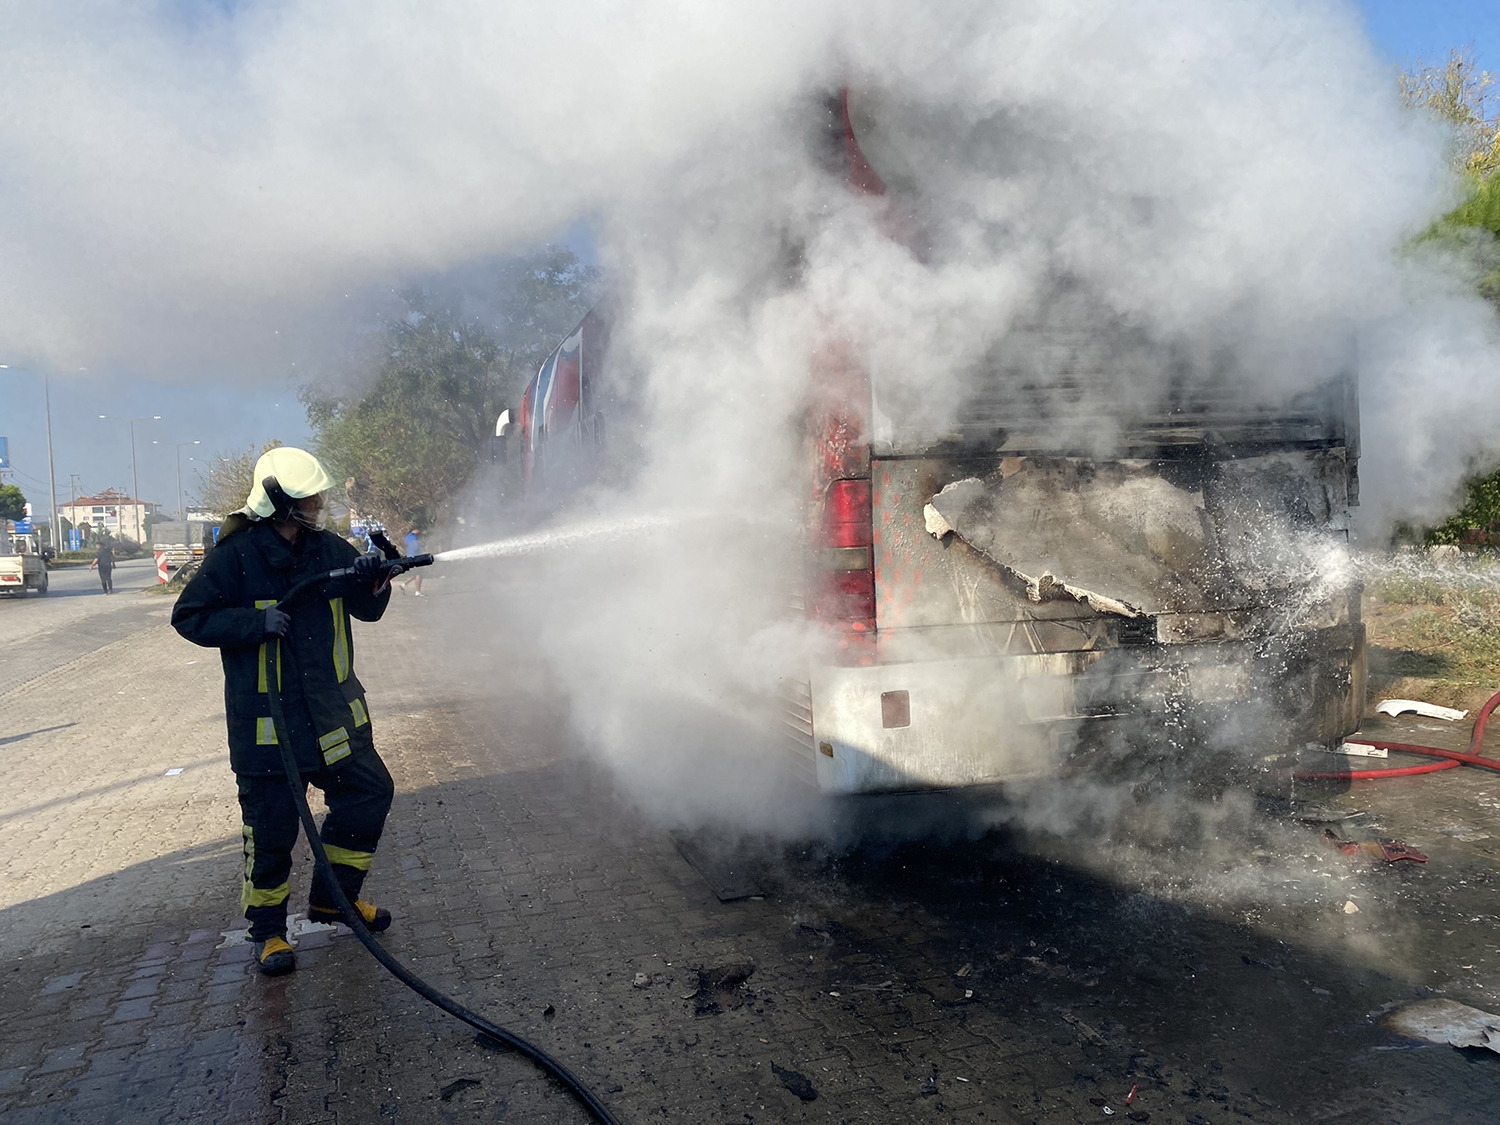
796	1083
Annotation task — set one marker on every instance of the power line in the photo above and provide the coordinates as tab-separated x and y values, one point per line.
29	479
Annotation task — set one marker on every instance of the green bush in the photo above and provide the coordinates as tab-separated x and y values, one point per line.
1478	521
1404	589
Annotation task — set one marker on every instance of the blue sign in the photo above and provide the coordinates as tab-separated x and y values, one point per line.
23	527
4	453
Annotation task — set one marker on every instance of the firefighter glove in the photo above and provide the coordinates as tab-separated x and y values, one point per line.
371	565
278	621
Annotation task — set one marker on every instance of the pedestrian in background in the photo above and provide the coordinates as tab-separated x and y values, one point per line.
413	544
104	561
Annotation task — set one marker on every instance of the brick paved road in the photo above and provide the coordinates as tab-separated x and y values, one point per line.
998	981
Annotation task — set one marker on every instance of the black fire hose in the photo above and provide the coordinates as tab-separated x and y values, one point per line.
352	917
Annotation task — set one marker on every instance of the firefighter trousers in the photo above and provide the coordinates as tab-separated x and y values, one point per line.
358	793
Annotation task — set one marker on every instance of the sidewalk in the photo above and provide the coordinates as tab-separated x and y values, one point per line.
934	986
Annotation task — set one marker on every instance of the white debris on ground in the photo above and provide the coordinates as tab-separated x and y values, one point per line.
1417	707
1447	1021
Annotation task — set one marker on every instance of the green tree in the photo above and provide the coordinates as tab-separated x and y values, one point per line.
1462	95
1479	514
411	433
12	503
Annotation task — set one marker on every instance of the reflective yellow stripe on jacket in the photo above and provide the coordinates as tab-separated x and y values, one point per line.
340	640
260	679
335	745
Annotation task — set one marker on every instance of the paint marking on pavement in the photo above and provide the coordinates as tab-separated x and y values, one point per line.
296	926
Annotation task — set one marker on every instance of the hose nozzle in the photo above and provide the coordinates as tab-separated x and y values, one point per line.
397	566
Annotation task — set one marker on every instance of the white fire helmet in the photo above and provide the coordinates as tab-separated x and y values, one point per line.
283	476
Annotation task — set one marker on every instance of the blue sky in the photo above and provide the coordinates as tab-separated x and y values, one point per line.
1406	30
226	417
223	417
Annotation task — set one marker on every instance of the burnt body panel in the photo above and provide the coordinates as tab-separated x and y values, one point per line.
1046	614
1222	713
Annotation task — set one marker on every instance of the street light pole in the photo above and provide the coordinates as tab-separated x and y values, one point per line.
181	512
51	473
135	487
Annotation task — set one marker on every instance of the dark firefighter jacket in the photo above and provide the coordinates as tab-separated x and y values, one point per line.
224	607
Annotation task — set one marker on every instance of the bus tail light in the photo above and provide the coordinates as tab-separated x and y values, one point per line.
846	573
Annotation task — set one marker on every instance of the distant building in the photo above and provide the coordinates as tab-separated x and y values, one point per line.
113	512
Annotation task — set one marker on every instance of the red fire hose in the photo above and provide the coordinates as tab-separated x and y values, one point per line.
1449	758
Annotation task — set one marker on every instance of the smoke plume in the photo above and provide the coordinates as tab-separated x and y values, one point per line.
1235	183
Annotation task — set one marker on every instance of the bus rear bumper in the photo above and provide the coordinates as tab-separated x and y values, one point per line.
939	724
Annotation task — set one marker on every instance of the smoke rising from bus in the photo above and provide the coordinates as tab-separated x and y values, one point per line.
1235	184
1241	179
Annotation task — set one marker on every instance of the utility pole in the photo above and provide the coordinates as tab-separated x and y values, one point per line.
135	483
73	500
51	474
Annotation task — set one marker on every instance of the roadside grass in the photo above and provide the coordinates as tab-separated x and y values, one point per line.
1433	636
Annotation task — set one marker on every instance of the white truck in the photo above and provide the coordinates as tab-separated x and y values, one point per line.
177	542
22	568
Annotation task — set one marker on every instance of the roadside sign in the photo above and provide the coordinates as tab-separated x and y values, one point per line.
23	527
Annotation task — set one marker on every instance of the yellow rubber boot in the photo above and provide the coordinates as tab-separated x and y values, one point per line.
375	918
274	956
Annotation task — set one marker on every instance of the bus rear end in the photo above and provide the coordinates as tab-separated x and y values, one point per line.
1061	582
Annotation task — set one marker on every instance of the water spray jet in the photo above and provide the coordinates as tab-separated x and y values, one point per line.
561	538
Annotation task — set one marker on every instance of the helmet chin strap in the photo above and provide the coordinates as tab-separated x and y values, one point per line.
285	506
311	522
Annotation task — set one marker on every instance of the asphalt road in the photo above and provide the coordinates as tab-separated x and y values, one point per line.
1223	964
41	632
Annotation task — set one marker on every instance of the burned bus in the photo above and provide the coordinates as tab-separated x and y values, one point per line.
556	437
1061	577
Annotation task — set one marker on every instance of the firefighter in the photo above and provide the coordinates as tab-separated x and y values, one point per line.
275	541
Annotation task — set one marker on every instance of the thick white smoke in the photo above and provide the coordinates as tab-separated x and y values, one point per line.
1237	181
184	179
180	177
